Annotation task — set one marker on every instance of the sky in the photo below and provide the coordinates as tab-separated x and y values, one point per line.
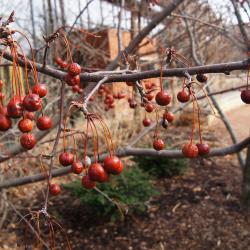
22	8
73	9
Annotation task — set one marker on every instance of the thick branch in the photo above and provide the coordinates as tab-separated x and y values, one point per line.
117	77
128	152
241	25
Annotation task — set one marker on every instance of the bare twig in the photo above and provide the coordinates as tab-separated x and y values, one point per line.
59	129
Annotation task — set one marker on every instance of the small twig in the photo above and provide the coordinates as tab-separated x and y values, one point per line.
28	224
86	100
56	142
78	16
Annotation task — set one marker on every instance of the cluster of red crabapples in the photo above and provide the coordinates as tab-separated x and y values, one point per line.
109	97
96	171
24	108
72	78
22	101
163	99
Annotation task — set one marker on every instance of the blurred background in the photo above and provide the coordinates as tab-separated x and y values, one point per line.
157	203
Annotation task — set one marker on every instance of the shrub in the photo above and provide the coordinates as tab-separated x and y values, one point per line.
161	166
130	191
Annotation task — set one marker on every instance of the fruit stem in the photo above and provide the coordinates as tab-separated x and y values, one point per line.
74	143
205	93
199	122
248	71
94	138
193	123
68	47
157	123
161	73
97	137
33	56
107	135
43	169
16	69
26	67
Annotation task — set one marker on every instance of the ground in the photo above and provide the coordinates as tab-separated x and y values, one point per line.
199	210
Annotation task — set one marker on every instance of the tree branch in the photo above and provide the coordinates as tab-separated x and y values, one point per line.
225	68
129	151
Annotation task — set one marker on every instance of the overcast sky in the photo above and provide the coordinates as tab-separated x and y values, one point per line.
72	8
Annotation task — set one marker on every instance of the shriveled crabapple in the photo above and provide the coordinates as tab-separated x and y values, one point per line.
28	141
14	107
164	123
169	116
87	182
60	62
149	107
190	150
32	102
132	104
66	158
148	85
40	90
158	144
121	95
77	167
74	69
3	110
54	189
150	96
72	80
201	78
5	122
29	115
146	122
245	96
97	173
25	125
203	148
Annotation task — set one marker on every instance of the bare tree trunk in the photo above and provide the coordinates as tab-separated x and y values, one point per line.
33	24
51	20
63	19
45	18
88	15
119	31
134	19
241	25
246	169
101	11
79	10
56	13
246	180
50	30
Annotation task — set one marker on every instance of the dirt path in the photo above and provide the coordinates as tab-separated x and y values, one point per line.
240	120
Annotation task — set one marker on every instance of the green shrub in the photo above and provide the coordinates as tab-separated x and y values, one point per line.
129	191
161	166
